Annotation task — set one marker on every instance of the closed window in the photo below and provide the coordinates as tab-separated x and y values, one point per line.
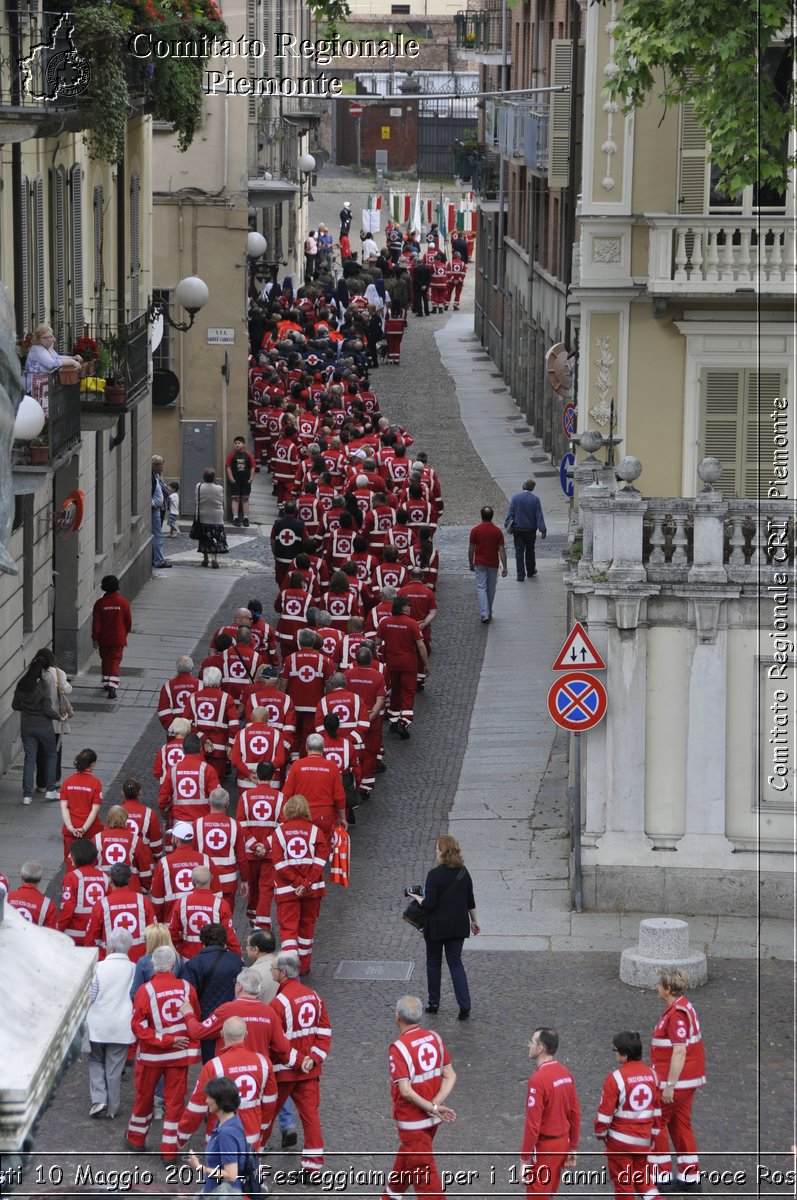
743	427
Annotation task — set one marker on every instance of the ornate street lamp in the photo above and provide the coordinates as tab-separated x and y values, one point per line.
191	294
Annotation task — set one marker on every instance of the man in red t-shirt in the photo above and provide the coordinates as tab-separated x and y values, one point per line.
241	469
485	550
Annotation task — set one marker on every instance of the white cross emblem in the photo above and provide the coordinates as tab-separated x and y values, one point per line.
115	852
197	920
259	744
341	709
216	839
306	674
427	1056
328	645
187	787
94	892
182	879
306	1015
296	847
261	810
335	756
272	712
336	607
205	710
286	537
247	1087
175	755
170	1010
292	607
126	920
181	697
237	670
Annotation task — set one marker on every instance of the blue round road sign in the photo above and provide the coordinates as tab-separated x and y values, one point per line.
577	701
568	461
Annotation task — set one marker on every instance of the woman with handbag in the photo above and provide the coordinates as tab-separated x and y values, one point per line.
450	917
61	689
208	526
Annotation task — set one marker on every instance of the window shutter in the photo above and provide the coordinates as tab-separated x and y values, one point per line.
98	266
559	121
76	246
761	388
39	250
692	163
24	238
58	277
722	410
135	249
252	33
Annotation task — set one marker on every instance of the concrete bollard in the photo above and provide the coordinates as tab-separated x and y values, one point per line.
663	942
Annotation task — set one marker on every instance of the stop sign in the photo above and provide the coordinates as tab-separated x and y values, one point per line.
355	110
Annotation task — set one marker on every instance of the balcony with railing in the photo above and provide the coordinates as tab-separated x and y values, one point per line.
58	392
479	167
274	173
478	35
523	133
721	255
101	407
43	80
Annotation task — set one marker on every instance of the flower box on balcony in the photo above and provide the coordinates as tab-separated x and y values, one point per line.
69	375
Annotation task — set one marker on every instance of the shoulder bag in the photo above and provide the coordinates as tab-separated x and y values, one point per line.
196	529
416	916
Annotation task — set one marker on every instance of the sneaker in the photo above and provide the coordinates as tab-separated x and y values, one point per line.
27	799
485	620
289	1139
521	578
158	1110
246	522
404	730
97	1109
236	521
51	795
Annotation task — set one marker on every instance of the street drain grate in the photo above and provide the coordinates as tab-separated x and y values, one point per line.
373	968
81	706
136	672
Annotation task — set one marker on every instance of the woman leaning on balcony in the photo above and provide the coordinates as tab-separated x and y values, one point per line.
43	356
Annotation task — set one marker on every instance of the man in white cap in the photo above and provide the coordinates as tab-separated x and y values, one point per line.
345	219
172	875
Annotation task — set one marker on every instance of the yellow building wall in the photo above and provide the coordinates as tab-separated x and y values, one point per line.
655	181
655	417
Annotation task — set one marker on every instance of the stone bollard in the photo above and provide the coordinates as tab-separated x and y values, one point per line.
663	942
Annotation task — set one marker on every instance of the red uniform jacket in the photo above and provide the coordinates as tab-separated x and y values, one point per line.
303	1017
124	846
167	757
186	788
172	879
191	913
679	1026
259	811
367	683
122	908
298	860
34	906
629	1108
418	1056
213	715
158	1021
218	836
264	1033
111	620
399	636
82	888
253	1076
292	604
256	743
174	697
278	705
552	1109
390	575
347	707
146	823
306	672
320	783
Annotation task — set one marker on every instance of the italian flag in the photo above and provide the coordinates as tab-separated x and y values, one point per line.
401	205
374	203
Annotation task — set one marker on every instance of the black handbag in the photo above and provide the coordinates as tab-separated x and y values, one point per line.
195	532
416	916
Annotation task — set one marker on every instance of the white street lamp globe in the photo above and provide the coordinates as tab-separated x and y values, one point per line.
306	164
192	293
29	420
255	245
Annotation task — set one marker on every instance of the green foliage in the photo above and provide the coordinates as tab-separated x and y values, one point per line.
711	54
99	35
329	15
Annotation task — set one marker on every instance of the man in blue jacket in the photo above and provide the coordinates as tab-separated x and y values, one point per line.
523	521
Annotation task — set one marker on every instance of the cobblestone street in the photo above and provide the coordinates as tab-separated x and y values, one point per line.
745	1009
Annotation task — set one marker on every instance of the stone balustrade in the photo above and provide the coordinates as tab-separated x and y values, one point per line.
721	254
706	539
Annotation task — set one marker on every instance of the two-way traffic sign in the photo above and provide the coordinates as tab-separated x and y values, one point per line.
578	651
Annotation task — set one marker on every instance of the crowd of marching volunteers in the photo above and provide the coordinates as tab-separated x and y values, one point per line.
271	744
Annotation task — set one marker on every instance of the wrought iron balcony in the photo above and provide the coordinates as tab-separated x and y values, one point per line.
61	434
523	133
98	409
480	167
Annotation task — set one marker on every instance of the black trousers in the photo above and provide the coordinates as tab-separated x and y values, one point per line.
420	300
525	559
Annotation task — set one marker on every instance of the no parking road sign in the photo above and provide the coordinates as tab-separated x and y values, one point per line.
577	701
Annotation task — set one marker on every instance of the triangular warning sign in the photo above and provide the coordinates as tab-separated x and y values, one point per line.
578	651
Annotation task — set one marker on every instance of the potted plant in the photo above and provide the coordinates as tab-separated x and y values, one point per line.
113	354
88	351
39	449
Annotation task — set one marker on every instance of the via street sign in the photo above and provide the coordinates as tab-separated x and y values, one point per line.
355	110
577	701
569	419
567	463
578	652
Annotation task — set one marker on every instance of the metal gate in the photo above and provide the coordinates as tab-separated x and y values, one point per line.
441	123
198	452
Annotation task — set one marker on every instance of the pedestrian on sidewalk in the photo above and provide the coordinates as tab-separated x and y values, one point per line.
160	500
33	700
240	468
421	1080
210	510
451	917
678	1057
108	1024
524	520
485	550
173	508
61	688
81	799
111	622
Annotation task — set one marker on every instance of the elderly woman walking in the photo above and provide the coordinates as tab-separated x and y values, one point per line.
108	1024
210	512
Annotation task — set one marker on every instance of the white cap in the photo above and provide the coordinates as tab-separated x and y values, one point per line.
360	453
347	204
182	831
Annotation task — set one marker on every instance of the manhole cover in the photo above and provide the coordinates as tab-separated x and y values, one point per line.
516	417
137	672
498	391
521	429
89	706
373	968
540	458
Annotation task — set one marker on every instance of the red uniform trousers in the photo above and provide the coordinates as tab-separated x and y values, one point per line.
547	1167
265	895
306	1095
175	1079
296	917
414	1165
372	744
456	288
631	1174
110	664
281	571
403	686
676	1125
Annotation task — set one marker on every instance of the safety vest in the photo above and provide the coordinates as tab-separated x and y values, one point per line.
339	863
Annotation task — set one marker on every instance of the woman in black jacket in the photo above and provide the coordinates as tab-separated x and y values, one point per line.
34	701
451	917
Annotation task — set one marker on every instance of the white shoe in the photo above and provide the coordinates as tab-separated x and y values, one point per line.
27	799
52	795
96	1109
